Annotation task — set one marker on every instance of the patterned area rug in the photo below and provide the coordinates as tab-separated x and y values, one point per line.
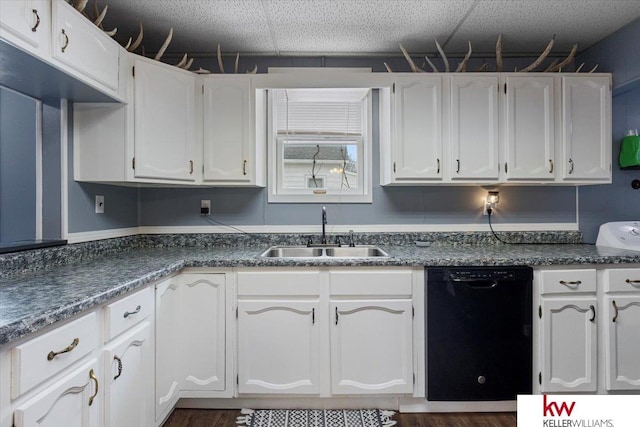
316	418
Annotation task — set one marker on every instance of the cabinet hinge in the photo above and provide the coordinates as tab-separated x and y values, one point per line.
394	167
237	379
540	311
506	167
203	89
540	378
236	312
413	311
414	379
133	71
505	88
203	168
133	163
394	88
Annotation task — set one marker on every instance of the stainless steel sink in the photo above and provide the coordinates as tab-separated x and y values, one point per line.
292	252
360	251
356	252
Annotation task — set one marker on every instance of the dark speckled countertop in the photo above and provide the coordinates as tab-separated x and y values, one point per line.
31	300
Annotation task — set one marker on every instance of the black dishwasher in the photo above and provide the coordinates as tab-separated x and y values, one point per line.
478	327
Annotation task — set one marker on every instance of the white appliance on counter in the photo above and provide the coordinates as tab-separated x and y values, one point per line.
621	234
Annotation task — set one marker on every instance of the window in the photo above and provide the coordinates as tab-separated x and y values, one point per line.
319	145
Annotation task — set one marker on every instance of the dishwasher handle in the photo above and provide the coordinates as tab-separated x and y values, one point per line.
477	283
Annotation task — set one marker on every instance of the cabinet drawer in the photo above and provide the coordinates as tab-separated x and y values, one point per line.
266	283
371	282
568	281
40	358
622	280
127	312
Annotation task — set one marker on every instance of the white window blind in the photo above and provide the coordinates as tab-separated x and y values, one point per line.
319	111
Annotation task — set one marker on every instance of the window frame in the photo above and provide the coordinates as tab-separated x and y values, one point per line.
276	194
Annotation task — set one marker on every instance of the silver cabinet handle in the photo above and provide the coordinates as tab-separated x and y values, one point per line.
313	316
37	24
458	168
632	282
74	344
336	315
615	307
438	161
130	313
593	311
117	359
570	166
66	40
244	167
550	166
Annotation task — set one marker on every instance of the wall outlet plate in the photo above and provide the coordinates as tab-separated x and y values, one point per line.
205	207
99	204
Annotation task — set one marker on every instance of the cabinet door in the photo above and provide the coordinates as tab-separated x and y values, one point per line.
203	309
569	345
26	23
168	350
128	381
586	117
71	402
83	47
474	128
278	347
622	343
371	347
164	122
417	143
529	128
229	147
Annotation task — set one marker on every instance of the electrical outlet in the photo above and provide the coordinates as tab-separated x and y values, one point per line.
205	207
99	204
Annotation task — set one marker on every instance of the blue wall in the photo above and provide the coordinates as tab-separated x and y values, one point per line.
391	205
18	132
618	54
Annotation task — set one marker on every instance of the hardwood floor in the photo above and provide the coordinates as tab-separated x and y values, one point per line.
226	418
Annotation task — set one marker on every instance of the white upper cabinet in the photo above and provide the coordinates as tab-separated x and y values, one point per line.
528	128
26	24
165	122
586	119
78	46
416	146
474	128
229	130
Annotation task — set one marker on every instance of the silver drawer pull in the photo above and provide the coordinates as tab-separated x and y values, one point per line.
129	313
66	40
569	283
37	24
615	307
74	344
593	311
633	282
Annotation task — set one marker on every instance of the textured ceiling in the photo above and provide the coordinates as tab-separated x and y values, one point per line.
367	27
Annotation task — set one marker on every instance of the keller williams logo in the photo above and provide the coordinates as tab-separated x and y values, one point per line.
552	409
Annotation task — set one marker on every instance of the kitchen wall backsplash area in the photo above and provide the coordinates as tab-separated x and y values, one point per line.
619	201
130	207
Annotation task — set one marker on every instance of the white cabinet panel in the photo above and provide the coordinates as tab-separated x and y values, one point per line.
71	402
165	136
623	342
229	131
417	140
202	323
27	24
128	379
586	118
371	347
569	345
529	128
474	128
167	337
81	46
278	347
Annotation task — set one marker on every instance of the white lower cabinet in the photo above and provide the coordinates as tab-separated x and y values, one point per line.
278	346
73	401
128	378
371	346
326	331
622	330
588	329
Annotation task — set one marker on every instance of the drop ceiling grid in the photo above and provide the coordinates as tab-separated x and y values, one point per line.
527	26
